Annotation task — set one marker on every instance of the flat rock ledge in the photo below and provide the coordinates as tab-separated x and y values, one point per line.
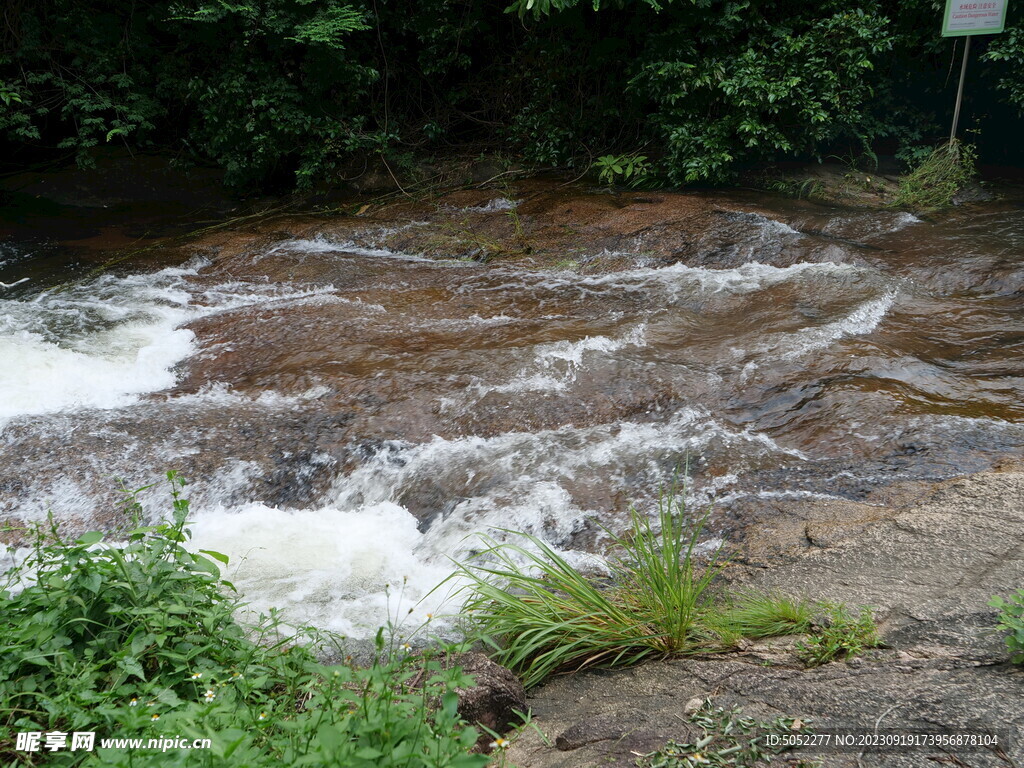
927	568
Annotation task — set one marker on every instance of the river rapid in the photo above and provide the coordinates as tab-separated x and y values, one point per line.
354	399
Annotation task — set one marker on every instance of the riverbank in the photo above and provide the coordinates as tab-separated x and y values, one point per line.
928	568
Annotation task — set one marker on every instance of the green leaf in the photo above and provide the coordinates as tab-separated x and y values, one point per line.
131	665
215	555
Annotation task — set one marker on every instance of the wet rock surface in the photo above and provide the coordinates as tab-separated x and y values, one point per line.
928	568
355	397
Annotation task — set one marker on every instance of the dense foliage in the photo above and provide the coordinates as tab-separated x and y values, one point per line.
296	91
137	639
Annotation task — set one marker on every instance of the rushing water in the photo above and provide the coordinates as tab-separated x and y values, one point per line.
351	416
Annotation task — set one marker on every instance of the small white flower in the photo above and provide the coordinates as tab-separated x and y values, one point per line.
263	716
499	743
154	718
209	695
196	675
133	703
405	647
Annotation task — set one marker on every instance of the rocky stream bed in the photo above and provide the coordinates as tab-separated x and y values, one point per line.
354	396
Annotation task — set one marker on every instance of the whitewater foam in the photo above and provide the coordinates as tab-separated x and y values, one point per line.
104	343
395	522
496	204
862	320
556	365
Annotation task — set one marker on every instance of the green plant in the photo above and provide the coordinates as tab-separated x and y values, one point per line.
768	614
839	635
806	189
730	86
1011	619
632	170
933	183
517	224
541	615
728	739
137	639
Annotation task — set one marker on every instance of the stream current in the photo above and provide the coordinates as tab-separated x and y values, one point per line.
351	415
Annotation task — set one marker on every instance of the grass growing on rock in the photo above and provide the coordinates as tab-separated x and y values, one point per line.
756	614
840	635
542	616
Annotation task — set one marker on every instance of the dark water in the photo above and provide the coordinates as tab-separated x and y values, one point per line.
350	414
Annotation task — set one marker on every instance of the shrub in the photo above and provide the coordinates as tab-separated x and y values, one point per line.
138	640
1011	619
733	85
633	169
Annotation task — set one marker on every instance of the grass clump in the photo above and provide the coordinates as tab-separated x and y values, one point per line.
800	189
757	614
1011	619
727	738
932	184
137	639
541	615
840	635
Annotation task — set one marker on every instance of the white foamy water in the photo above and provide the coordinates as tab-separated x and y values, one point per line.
670	284
557	364
103	343
342	566
94	346
324	245
338	569
862	320
491	206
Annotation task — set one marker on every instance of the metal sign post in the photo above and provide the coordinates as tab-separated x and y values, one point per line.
960	89
964	18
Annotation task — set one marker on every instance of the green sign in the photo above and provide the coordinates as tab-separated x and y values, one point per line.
973	17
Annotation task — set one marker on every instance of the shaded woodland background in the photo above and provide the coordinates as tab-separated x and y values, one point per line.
291	93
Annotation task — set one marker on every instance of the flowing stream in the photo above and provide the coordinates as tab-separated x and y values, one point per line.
350	416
